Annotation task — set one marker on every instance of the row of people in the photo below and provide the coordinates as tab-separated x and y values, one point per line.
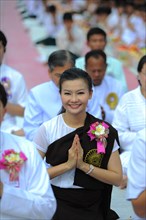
70	157
37	111
59	61
121	20
73	172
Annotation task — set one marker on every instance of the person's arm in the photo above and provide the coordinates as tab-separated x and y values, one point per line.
32	117
113	174
64	167
34	199
121	123
136	188
14	109
139	205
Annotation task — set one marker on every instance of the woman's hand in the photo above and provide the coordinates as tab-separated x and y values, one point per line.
80	152
72	154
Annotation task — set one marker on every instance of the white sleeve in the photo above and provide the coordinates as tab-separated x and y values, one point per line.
20	91
40	139
32	117
120	122
136	169
36	200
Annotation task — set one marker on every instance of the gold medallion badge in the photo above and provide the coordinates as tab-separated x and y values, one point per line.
112	100
93	158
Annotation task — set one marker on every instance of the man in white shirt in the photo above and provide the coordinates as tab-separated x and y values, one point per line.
15	87
130	116
96	39
29	196
44	100
107	91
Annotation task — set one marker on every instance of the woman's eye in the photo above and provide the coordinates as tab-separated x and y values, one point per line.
66	93
80	93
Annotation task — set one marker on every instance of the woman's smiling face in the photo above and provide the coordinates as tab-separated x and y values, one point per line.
75	95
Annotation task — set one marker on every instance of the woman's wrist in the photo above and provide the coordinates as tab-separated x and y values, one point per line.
91	168
86	168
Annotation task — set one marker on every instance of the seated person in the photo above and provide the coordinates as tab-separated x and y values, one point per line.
16	90
81	165
43	100
136	188
52	22
70	37
97	39
107	91
130	116
24	194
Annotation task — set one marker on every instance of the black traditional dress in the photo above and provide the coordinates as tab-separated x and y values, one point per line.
92	200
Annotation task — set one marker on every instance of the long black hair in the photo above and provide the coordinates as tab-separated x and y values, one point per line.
3	95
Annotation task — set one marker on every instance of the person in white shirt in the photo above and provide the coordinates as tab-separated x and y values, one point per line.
130	116
70	37
97	39
30	196
16	89
52	22
81	175
44	100
136	188
107	91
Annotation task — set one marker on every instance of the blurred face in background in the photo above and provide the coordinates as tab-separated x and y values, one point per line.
96	68
57	71
96	42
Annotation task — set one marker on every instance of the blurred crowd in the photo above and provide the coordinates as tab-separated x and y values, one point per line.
122	20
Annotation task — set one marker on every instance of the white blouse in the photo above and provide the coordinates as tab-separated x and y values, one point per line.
49	132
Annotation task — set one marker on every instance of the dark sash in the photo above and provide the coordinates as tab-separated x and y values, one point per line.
57	152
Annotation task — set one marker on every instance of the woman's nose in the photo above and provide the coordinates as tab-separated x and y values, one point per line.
74	97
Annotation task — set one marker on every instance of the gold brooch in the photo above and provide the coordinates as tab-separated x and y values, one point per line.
93	158
112	100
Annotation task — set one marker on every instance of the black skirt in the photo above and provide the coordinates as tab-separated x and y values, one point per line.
78	204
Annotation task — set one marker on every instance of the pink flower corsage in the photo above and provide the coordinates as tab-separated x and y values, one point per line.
12	162
99	132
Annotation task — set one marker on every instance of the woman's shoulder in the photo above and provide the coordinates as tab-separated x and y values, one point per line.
53	121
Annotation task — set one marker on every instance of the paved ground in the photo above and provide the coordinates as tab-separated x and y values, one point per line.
121	205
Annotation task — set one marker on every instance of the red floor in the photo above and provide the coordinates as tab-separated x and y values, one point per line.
21	54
